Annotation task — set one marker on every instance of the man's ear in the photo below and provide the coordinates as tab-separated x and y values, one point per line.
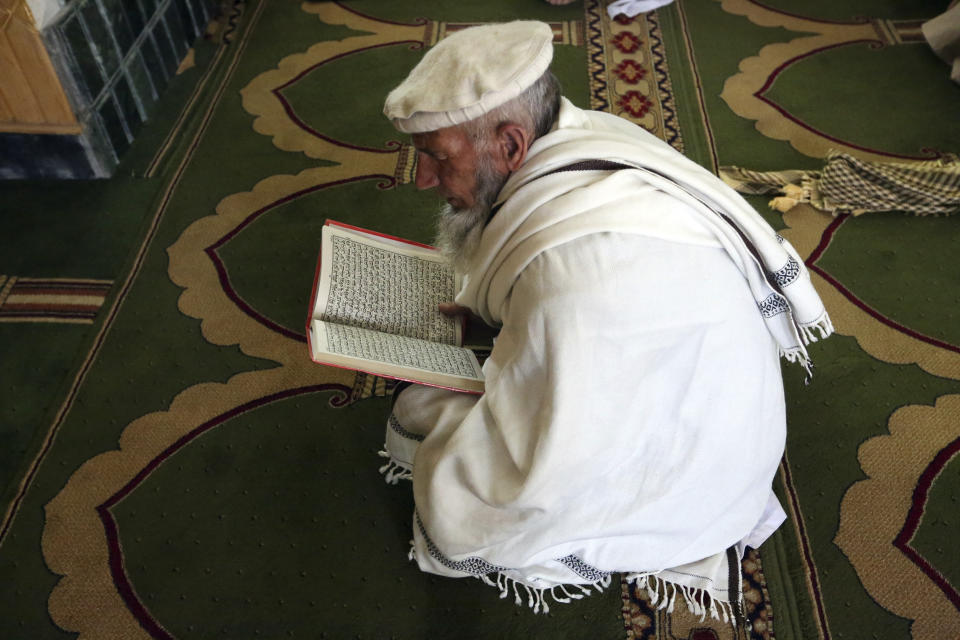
513	142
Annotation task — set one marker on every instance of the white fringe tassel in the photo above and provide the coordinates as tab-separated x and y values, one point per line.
537	597
823	326
394	471
807	334
663	595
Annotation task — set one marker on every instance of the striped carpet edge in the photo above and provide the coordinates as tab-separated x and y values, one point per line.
58	300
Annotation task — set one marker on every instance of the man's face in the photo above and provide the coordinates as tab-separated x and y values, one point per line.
466	178
447	160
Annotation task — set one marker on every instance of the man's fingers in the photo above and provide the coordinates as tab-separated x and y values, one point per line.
452	309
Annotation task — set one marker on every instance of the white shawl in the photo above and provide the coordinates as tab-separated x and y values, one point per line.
777	276
633	417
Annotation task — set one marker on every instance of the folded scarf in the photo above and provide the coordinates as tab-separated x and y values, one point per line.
849	185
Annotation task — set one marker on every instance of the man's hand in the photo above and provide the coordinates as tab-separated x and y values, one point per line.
475	330
454	310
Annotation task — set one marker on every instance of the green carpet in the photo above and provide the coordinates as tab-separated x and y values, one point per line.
178	468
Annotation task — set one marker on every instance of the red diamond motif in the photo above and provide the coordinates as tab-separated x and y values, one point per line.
635	103
630	72
626	42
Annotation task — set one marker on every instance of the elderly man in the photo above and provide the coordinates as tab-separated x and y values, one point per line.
633	414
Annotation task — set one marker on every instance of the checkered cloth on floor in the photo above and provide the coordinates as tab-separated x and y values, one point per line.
850	185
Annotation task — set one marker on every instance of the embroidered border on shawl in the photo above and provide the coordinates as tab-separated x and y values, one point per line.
788	273
772	305
474	565
582	569
398	428
478	566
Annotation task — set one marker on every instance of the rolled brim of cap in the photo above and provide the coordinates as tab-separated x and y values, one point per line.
470	73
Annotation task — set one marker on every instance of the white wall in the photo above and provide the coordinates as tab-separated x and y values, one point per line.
44	10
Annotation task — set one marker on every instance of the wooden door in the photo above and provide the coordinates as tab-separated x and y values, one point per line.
32	99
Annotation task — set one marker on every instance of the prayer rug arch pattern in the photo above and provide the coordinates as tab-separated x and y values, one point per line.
879	516
83	512
886	498
749	92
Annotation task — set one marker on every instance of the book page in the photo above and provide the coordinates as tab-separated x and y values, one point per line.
385	286
400	354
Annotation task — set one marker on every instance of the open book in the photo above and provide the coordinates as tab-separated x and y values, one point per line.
374	309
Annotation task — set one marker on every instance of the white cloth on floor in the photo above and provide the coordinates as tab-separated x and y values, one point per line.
631	8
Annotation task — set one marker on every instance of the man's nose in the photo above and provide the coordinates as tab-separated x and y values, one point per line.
426	172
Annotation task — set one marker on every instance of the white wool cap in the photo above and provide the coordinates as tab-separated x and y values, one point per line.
470	73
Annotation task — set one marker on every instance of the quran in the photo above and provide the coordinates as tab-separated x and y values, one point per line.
375	309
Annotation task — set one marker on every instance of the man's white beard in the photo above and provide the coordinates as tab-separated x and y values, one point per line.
459	230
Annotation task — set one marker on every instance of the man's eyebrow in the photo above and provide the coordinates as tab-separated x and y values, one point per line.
436	154
426	145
